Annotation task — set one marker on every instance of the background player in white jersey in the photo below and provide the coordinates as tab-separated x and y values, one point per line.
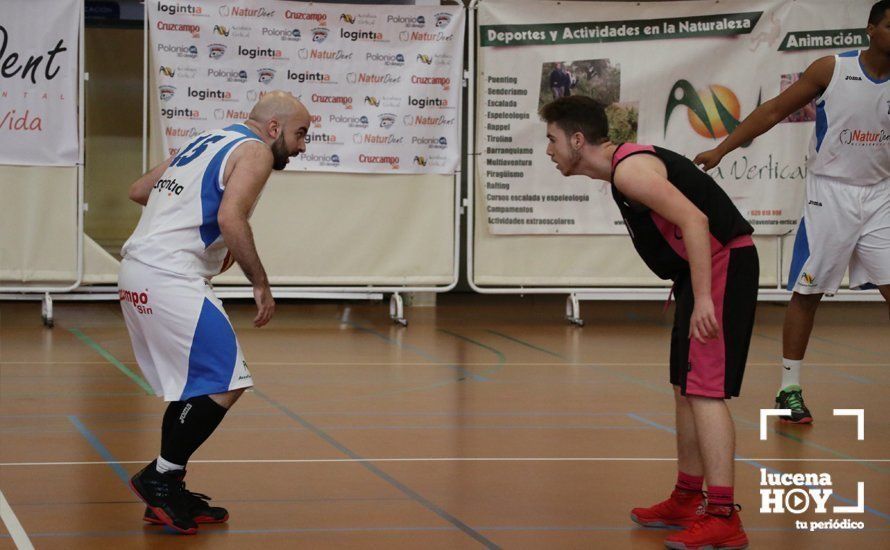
197	206
846	219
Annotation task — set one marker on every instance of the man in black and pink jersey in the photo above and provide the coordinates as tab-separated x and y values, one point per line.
686	228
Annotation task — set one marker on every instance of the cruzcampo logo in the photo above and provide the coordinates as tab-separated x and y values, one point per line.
713	112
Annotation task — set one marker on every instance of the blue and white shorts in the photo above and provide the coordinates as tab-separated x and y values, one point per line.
182	338
843	225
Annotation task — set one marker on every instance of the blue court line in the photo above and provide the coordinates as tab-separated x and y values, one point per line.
401	487
462	371
667	391
501	357
850	347
829	450
618	373
527	344
348	428
756	464
101	449
834	370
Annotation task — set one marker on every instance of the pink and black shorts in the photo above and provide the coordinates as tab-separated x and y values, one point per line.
715	369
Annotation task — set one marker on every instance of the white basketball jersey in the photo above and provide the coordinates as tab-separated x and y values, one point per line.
178	231
851	143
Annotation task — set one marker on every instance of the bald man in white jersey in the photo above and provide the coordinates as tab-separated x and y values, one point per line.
197	206
846	219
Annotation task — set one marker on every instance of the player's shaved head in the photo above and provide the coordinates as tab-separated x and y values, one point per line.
277	105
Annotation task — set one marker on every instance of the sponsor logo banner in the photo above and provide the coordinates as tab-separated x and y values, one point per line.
383	87
39	83
670	74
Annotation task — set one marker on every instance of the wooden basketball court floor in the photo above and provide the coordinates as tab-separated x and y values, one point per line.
487	422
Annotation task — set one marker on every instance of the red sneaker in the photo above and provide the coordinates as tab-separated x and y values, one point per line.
681	510
719	528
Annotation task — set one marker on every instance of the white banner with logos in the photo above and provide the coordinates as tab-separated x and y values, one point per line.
39	80
382	83
675	74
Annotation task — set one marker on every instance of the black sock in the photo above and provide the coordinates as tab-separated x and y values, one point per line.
174	409
188	426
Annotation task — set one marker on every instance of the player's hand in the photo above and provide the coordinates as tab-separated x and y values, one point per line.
708	159
703	324
265	304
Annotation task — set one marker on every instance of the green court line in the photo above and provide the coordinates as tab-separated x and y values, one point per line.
113	360
480	344
518	341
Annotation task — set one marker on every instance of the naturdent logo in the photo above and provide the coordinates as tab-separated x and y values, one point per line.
423	36
713	113
864	138
369	78
235	11
330	55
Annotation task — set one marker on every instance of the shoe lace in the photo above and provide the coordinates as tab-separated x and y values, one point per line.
794	400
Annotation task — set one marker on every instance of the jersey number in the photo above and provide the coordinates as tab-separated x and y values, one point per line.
194	150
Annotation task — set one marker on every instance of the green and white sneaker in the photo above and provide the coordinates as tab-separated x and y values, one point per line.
791	397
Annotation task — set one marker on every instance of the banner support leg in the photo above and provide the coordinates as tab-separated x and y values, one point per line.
397	309
46	310
573	310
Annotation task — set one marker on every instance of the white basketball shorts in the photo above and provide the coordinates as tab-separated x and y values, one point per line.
842	225
182	338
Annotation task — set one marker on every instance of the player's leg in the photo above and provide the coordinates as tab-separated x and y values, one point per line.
715	372
825	242
870	263
681	509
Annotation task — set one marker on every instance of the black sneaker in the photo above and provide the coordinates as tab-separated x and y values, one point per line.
201	510
791	397
167	498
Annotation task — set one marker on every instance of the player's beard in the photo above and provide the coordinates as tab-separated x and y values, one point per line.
279	153
574	159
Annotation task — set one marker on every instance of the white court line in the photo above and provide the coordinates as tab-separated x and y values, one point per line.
19	536
436	459
451	363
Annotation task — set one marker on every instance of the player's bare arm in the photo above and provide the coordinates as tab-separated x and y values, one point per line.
642	178
251	165
140	189
810	85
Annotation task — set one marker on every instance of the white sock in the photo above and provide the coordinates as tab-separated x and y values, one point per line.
790	373
164	466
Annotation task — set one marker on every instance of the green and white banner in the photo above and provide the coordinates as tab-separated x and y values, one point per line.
680	75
